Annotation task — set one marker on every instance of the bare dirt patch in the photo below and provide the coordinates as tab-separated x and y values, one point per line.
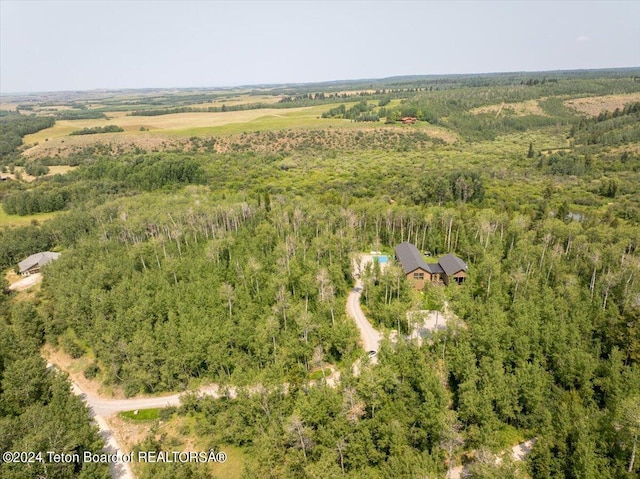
19	283
128	433
75	367
594	105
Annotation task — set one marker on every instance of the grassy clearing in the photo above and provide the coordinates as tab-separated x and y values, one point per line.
141	414
269	119
60	170
15	220
180	432
53	170
319	374
234	466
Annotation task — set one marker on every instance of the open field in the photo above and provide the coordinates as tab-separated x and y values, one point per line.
173	131
529	107
594	105
186	123
9	106
239	100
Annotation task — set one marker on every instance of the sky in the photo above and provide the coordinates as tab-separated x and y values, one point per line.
83	45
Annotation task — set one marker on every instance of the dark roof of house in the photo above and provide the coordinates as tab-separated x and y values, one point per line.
39	259
451	264
410	258
434	268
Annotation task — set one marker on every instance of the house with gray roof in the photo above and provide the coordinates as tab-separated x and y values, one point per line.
455	270
33	263
448	269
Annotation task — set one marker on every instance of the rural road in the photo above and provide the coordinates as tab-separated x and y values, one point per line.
101	408
370	337
105	407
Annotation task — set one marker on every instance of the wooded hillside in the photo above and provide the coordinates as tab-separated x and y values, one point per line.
185	268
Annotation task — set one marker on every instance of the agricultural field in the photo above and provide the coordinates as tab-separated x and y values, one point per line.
186	124
211	253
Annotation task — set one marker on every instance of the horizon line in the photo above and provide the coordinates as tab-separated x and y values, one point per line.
323	82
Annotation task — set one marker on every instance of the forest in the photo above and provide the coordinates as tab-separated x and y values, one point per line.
185	267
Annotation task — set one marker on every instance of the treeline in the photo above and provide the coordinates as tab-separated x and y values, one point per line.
361	111
79	112
36	201
536	81
98	129
14	126
101	179
84	114
224	108
209	109
459	186
289	102
384	93
144	172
